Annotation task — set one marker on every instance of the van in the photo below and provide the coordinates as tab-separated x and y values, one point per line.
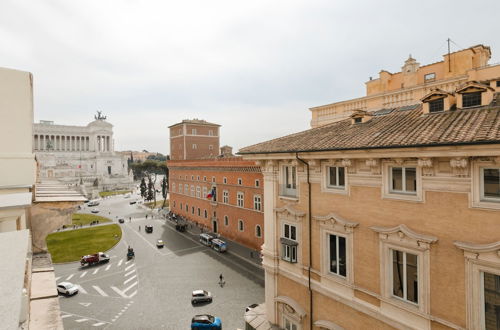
206	239
219	245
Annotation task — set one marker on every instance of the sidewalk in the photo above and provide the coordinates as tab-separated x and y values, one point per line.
236	249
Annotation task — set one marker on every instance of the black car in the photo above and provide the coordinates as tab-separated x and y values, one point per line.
149	228
121	220
132	202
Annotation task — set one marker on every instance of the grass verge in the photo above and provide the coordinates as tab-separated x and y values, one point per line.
112	193
85	219
159	203
70	245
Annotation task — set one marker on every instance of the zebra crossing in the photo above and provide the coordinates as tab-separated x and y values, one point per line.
126	289
80	319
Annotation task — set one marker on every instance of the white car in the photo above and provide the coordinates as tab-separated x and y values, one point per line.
67	288
200	296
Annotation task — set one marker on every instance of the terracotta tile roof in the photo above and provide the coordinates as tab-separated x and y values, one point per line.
402	127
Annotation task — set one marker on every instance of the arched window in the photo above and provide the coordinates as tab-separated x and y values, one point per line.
241	226
258	231
226	220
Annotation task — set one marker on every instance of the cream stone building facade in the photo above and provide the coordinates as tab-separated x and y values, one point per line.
386	214
80	154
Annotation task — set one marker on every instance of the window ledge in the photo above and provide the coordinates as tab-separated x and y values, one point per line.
486	204
403	197
291	198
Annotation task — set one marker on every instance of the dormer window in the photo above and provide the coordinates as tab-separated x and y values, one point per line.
436	105
438	100
360	116
471	99
474	94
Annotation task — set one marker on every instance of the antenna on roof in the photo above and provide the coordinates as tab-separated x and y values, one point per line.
449	57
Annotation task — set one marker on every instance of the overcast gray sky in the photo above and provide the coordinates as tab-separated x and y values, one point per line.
255	67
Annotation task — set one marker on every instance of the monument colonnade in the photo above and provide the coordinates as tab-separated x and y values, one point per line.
58	142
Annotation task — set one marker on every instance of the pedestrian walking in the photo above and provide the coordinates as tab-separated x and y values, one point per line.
139	228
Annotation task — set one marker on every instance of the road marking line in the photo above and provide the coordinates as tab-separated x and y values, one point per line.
130	287
95	271
129	279
129	266
133	270
98	324
69	277
119	292
82	290
119	263
98	289
81	320
65	316
127	262
83	274
107	267
57	278
133	294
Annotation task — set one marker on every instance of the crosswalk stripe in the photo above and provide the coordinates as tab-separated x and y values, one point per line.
127	262
130	287
83	274
81	289
119	292
129	266
129	279
98	324
69	277
57	278
107	267
133	294
119	263
127	274
81	320
99	290
65	316
95	271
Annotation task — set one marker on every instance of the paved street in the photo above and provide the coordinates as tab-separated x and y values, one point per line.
153	291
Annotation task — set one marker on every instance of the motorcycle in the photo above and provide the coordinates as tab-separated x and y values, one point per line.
130	254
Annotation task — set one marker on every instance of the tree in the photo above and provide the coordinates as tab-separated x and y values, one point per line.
151	191
164	190
143	188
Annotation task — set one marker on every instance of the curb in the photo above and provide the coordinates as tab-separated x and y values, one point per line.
76	261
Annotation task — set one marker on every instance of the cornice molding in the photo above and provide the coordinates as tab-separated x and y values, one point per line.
290	211
402	230
334	218
293	304
477	248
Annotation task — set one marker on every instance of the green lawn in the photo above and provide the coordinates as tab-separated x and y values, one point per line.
159	203
112	193
85	219
72	244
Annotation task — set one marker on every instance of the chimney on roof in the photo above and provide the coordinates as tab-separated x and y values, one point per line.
226	151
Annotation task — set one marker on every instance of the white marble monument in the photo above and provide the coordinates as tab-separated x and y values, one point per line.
81	154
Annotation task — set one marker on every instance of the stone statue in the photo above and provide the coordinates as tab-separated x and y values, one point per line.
99	116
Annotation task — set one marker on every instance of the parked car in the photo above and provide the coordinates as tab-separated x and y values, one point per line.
121	220
67	288
149	228
97	258
206	321
132	202
93	203
159	243
94	211
206	239
219	245
199	296
250	307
